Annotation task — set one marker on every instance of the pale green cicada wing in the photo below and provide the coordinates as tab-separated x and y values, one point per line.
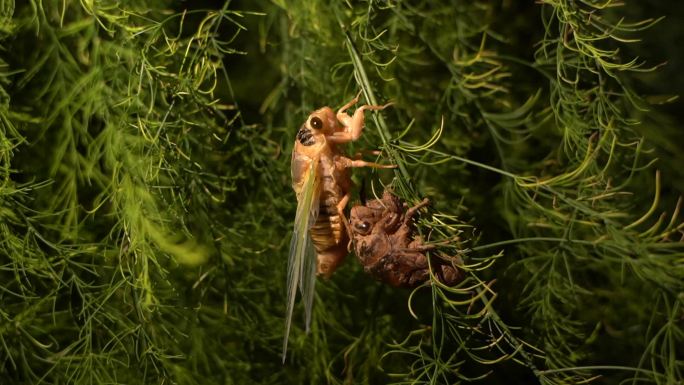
301	268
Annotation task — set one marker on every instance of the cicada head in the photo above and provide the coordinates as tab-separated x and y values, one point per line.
322	121
368	245
363	218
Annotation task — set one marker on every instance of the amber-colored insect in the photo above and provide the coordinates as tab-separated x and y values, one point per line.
320	178
383	239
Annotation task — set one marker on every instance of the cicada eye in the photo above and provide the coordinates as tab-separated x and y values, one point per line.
362	227
316	123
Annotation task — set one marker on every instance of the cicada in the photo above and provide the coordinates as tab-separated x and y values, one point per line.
321	181
385	245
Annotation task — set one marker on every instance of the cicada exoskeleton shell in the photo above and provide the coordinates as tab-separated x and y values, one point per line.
385	244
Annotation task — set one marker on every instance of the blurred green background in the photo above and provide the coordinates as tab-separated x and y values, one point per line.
146	207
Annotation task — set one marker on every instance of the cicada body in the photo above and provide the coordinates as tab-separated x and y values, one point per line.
321	181
313	151
384	243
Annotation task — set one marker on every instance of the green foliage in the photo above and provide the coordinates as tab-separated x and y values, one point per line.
145	200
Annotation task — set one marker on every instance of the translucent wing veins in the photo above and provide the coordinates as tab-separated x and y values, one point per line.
301	269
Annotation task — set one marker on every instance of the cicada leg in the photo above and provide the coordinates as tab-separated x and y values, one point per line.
417	245
340	211
346	162
344	108
412	211
358	155
353	125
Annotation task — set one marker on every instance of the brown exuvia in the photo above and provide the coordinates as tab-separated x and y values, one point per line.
386	247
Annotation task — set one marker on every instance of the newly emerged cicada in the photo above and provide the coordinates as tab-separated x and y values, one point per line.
320	178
